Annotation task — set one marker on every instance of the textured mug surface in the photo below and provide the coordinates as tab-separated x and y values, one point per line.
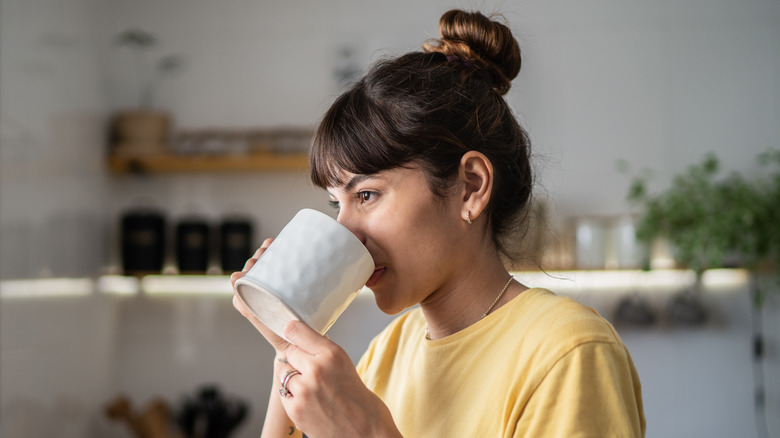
311	272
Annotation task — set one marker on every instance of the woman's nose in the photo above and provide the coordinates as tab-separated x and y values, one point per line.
352	223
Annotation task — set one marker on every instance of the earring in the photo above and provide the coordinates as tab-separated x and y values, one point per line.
468	217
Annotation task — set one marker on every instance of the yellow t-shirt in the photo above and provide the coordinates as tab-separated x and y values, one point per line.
539	366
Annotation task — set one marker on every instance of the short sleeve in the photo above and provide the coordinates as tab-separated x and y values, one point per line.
591	391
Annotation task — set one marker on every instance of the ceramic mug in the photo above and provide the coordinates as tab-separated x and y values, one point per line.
311	272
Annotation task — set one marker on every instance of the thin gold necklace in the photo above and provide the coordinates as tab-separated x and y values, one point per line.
500	294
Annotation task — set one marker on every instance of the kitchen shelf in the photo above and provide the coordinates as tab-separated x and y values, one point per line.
564	282
167	163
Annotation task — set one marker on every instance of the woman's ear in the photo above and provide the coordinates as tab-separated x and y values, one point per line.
476	174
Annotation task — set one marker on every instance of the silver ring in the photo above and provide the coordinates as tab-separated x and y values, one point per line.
283	391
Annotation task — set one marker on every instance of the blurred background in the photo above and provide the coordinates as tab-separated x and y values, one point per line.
145	146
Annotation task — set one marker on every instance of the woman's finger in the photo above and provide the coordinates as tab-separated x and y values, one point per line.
305	337
241	307
266	243
251	262
311	352
278	343
290	382
235	276
247	266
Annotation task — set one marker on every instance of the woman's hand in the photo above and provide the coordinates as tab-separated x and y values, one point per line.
279	344
327	398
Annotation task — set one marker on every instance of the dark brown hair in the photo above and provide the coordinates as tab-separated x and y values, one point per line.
429	108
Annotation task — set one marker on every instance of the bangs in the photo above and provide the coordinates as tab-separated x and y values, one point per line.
357	136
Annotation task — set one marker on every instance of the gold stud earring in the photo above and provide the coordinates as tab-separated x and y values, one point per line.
468	217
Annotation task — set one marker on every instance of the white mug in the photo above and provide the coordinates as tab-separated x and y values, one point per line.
311	272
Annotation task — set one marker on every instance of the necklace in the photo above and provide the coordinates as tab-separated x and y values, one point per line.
500	294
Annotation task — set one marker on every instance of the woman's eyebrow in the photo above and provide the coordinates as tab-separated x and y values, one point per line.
357	179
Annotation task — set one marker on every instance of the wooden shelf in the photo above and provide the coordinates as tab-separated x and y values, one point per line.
208	163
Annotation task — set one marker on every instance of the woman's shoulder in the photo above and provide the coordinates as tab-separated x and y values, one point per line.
540	316
544	315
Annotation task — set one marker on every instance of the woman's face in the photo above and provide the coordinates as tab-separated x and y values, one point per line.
412	236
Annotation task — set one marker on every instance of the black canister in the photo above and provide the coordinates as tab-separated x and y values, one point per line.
142	242
235	244
193	246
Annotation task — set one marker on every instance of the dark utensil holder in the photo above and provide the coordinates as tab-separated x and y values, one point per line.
235	244
142	242
193	246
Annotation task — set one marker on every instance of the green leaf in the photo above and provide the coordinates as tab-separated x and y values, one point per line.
709	218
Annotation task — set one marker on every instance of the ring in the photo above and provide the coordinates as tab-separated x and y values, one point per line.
283	391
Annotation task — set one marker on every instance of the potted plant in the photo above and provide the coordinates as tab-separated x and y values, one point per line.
712	220
765	247
767	226
144	129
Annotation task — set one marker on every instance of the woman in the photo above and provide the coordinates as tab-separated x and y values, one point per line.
429	168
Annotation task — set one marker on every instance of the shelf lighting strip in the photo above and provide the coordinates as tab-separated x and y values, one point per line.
564	282
46	288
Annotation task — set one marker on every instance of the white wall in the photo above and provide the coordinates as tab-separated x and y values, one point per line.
657	83
56	353
57	366
52	115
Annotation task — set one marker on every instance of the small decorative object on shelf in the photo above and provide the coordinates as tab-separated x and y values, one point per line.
231	141
140	132
217	150
211	142
285	140
590	242
208	163
143	129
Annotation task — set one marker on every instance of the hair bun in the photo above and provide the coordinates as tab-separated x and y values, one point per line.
486	43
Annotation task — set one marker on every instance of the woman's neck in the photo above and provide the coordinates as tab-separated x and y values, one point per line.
468	295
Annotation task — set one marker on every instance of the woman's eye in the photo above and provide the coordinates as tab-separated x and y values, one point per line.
365	196
335	204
